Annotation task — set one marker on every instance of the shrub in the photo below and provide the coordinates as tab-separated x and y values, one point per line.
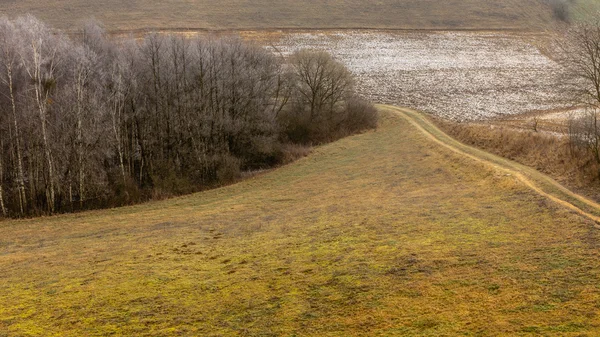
324	104
228	169
360	115
561	9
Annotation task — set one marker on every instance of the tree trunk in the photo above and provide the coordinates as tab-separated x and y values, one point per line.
20	171
42	100
2	206
116	124
81	175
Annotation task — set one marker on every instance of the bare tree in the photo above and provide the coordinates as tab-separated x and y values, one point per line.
40	59
580	54
2	204
322	82
117	96
84	74
9	73
95	122
325	105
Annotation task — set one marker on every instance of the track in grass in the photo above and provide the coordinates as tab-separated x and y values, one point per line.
539	182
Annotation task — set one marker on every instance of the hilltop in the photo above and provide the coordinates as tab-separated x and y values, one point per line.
266	14
383	233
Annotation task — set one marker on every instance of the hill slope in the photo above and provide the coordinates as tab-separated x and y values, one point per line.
245	14
585	10
383	233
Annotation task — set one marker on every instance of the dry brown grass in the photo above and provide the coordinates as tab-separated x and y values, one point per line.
546	152
243	14
384	233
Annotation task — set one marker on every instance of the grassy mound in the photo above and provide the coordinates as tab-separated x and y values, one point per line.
384	233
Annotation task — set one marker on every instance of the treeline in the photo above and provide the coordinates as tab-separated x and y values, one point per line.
88	122
561	9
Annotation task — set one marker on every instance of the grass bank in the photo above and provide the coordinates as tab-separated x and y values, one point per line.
545	152
385	233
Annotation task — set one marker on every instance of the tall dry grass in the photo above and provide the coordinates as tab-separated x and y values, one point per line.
548	153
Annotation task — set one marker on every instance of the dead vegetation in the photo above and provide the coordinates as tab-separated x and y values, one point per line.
574	165
94	122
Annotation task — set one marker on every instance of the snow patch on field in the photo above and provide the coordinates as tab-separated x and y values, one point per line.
457	75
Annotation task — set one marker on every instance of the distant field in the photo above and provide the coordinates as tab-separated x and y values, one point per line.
460	76
247	14
382	234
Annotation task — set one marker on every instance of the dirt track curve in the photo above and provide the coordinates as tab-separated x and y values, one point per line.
539	182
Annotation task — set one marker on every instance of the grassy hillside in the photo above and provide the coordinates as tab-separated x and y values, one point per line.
385	233
245	14
582	10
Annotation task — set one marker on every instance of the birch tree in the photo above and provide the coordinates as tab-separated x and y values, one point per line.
93	121
580	54
39	58
9	75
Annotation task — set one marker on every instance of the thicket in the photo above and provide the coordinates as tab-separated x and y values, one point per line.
547	153
89	122
561	9
579	53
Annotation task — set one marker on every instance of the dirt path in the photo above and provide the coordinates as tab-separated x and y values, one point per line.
539	182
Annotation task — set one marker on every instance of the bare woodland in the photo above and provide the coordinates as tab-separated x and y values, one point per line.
90	122
580	51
